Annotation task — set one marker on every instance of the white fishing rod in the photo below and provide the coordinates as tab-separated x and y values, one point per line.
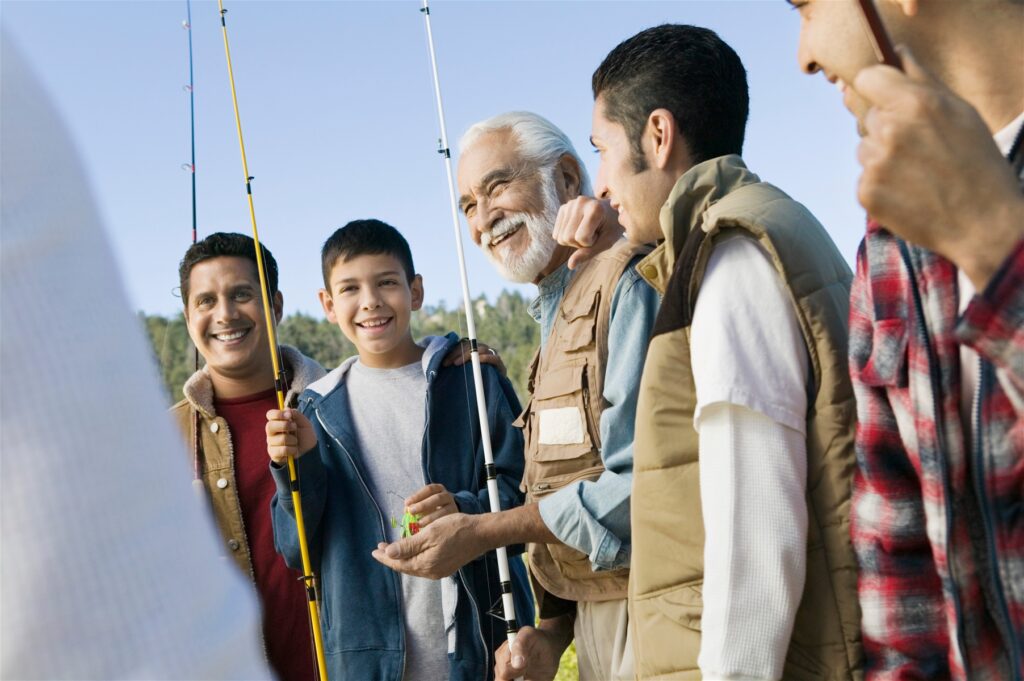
507	602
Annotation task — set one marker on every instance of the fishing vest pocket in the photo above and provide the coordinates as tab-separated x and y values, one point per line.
580	323
560	426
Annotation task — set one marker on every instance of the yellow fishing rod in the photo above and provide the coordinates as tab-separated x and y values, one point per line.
279	379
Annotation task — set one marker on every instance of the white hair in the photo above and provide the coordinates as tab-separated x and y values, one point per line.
540	140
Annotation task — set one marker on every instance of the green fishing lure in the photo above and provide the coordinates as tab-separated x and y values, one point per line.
410	524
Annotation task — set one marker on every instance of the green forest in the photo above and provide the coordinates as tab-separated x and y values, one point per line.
504	325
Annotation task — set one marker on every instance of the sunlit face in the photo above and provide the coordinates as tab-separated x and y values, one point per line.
510	205
834	40
636	195
371	301
224	314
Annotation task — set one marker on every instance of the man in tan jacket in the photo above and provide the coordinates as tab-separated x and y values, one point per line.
223	415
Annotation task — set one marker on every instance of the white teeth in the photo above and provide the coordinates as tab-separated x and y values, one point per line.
495	240
235	335
375	323
840	85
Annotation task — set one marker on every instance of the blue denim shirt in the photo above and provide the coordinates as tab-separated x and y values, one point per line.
592	516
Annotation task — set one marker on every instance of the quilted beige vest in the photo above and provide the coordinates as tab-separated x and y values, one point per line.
719	198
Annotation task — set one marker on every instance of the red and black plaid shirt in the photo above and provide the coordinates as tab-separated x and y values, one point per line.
938	522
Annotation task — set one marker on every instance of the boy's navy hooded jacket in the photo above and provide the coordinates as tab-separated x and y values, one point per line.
361	611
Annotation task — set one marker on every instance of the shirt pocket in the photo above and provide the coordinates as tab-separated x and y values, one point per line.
580	330
887	363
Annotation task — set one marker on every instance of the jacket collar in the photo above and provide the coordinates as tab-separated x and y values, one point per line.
434	350
198	389
695	191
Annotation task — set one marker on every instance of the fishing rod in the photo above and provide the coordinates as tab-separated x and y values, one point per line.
880	42
508	603
197	482
192	121
279	379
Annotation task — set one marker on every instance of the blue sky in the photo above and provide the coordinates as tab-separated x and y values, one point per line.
338	114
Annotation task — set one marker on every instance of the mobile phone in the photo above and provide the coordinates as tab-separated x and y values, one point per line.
879	38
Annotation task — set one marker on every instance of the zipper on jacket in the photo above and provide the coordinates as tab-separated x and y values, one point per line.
933	371
479	621
431	375
383	532
979	490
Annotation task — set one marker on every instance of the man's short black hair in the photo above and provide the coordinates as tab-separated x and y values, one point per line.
365	237
225	244
686	69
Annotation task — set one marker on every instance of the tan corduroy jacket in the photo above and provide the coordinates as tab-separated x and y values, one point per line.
718	198
215	454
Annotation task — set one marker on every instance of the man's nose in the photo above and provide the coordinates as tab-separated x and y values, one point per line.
483	220
601	190
803	56
226	309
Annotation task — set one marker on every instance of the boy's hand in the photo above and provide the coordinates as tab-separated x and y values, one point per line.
932	174
462	352
588	225
289	433
431	502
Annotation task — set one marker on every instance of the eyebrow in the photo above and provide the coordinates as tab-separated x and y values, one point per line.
196	293
503	173
346	280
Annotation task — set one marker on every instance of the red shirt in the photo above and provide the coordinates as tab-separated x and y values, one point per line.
285	608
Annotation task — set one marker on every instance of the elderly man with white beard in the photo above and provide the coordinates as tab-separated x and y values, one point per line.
516	172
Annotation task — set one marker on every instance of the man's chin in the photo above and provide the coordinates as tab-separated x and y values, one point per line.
516	275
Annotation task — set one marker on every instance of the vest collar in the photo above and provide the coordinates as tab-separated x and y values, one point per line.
695	191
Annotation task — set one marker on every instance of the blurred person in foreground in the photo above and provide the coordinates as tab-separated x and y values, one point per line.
110	567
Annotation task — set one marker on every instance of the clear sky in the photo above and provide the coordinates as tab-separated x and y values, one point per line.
338	114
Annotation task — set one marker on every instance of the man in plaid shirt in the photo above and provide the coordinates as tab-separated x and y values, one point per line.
937	332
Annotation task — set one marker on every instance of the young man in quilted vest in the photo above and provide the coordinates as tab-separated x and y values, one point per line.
936	331
742	564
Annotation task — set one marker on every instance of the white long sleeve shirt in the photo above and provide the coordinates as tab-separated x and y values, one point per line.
750	367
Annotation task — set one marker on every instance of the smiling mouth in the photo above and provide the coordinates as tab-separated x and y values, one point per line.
495	240
374	324
232	335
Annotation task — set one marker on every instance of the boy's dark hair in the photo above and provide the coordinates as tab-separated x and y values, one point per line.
686	69
365	237
225	244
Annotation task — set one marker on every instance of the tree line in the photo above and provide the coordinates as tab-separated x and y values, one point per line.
505	325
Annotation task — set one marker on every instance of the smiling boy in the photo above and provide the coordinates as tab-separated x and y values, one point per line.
222	417
388	431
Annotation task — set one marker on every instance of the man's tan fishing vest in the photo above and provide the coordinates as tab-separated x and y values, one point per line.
713	200
560	423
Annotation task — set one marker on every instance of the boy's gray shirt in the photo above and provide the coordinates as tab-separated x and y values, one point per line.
388	410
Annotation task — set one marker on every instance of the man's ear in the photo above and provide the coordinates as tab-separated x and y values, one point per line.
278	307
327	303
567	177
416	287
664	143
